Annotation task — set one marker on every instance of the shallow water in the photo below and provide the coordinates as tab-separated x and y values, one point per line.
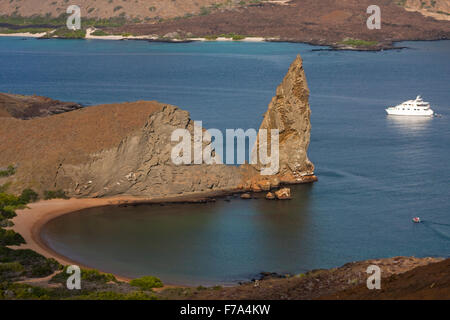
375	172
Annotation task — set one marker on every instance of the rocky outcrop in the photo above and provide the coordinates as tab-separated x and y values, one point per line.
283	194
28	107
141	165
289	113
125	149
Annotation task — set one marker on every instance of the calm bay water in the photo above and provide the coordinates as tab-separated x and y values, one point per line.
375	172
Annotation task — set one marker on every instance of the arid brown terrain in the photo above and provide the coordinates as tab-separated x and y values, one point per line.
317	22
27	107
126	149
401	278
109	8
341	24
437	9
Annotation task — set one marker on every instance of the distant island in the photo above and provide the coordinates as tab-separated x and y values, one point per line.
339	25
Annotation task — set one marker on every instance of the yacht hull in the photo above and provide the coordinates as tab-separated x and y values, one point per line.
425	113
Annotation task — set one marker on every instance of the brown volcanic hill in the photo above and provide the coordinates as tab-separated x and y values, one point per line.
430	282
109	8
39	145
27	107
312	21
127	149
401	278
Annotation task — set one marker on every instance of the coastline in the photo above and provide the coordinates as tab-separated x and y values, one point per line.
30	220
151	38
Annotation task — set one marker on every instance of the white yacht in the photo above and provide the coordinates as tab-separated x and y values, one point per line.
416	107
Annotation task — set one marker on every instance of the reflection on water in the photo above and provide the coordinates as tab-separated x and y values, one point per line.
409	125
220	242
375	172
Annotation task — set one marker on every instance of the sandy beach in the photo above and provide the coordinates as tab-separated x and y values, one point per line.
90	31
23	34
29	221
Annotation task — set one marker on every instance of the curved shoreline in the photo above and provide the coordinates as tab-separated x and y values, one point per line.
30	221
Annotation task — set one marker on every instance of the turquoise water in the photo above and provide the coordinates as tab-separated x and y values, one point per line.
375	172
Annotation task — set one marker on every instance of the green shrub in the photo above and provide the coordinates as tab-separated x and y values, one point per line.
27	196
9	171
8	212
96	276
9	200
6	223
36	265
4	187
211	37
44	269
10	238
147	283
65	33
111	295
359	43
100	33
23	291
58	194
11	267
90	275
237	37
24	30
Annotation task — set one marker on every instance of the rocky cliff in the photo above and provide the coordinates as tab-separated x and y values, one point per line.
289	112
125	149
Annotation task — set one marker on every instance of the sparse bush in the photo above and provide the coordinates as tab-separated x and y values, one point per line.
10	238
55	194
35	264
65	33
100	33
9	171
86	275
111	295
11	267
211	37
237	37
28	195
358	43
147	283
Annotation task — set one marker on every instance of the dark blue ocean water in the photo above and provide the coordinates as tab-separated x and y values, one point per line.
375	172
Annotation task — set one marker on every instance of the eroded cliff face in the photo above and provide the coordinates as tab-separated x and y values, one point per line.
141	165
289	112
125	149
